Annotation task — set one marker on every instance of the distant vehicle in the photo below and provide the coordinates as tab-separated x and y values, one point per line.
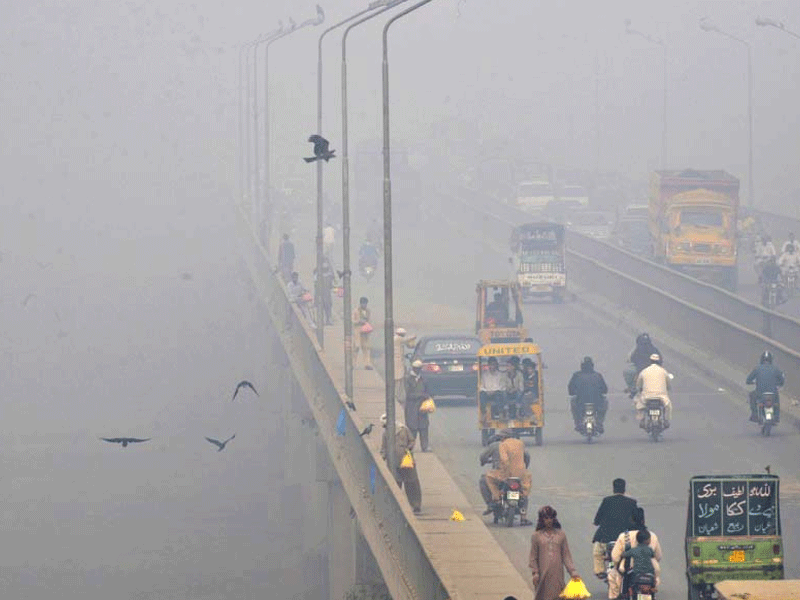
633	234
559	211
540	259
591	223
533	196
637	210
693	216
574	192
449	364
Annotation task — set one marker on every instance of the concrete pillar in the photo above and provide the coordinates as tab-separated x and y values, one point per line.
341	543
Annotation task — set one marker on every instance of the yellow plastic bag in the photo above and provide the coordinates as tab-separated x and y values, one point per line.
408	461
575	590
457	516
427	406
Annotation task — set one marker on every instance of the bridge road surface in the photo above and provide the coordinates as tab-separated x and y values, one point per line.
435	271
142	351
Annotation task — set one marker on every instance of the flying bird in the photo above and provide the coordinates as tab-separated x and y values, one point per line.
321	151
767	469
350	405
242	384
125	440
220	445
367	430
27	299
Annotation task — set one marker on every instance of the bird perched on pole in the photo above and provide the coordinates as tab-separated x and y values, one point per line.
321	151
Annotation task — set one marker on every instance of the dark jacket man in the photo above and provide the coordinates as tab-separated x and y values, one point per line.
416	394
768	378
640	357
587	385
614	515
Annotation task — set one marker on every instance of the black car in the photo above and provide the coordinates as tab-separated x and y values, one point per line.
449	364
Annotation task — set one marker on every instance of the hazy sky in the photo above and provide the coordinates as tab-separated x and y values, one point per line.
95	89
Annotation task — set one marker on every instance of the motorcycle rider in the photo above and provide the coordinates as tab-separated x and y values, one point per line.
653	382
771	273
509	459
791	243
614	515
587	386
627	539
639	359
368	256
789	260
768	378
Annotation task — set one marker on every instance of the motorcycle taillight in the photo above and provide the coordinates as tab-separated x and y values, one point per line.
514	485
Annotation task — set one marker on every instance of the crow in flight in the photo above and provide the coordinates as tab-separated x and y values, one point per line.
367	430
125	440
220	445
240	385
350	405
321	151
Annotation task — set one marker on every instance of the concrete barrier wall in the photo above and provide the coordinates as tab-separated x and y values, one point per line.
385	519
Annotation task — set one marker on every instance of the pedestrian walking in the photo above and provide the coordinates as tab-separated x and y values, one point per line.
361	324
401	341
549	556
286	257
406	476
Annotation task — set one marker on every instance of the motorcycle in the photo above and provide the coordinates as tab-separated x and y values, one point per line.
770	294
367	271
654	419
609	562
642	586
791	282
766	413
510	503
590	424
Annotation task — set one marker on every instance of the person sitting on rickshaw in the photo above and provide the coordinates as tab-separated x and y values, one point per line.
514	386
497	310
492	388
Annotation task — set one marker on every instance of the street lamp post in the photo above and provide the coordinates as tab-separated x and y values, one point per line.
320	334
659	42
388	333
347	299
257	190
263	225
764	22
707	25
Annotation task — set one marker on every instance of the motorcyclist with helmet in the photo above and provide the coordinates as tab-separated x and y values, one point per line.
639	359
587	386
368	256
653	382
509	458
768	378
771	273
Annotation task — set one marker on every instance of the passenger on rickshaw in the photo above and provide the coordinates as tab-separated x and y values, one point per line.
530	378
492	387
514	387
497	310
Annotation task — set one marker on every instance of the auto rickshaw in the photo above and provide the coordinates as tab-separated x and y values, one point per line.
733	531
498	315
524	416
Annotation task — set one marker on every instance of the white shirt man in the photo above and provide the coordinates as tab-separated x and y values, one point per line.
789	260
653	382
328	238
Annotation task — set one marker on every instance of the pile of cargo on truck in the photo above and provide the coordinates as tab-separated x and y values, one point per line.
693	216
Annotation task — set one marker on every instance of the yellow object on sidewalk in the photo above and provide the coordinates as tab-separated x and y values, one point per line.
575	590
457	516
407	462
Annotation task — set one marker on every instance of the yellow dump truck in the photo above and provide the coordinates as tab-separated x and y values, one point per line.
693	216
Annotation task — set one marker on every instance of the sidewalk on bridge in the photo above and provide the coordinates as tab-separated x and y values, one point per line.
465	554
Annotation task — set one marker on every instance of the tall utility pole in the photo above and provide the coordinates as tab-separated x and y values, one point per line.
388	327
707	25
346	271
659	42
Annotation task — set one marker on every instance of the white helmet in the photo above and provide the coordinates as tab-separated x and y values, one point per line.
417	364
400	331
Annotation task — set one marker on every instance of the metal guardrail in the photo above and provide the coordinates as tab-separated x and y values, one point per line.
385	519
704	328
